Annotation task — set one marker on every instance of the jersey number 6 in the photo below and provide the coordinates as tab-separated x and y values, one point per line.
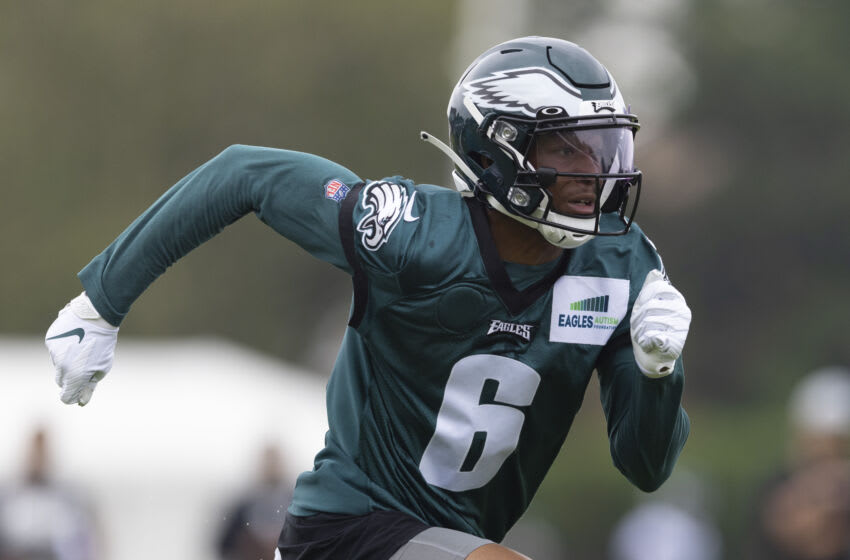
471	439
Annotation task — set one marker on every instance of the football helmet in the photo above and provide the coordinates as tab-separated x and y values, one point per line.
537	116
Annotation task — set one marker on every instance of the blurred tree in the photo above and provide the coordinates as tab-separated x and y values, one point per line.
105	105
768	250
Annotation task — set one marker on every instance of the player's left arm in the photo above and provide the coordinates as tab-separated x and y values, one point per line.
647	426
642	376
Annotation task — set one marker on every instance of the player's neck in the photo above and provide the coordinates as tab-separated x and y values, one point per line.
518	243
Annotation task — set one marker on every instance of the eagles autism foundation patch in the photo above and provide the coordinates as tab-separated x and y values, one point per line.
586	309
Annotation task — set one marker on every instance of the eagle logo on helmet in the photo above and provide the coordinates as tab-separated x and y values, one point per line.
523	91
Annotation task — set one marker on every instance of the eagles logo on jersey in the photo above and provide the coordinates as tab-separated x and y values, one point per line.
386	204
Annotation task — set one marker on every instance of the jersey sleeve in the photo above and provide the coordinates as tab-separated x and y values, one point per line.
647	426
297	194
401	239
387	218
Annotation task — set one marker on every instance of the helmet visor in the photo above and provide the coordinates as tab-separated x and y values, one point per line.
596	151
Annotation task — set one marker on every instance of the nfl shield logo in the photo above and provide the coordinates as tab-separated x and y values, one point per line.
336	190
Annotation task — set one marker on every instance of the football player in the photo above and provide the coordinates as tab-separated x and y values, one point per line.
479	313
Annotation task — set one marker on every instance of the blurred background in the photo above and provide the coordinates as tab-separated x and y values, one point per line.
743	145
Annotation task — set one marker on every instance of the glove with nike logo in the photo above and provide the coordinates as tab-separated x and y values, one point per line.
82	346
659	325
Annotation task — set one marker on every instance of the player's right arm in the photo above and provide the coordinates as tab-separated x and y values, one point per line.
287	190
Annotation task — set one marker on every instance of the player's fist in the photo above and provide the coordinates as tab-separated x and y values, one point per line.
659	325
81	345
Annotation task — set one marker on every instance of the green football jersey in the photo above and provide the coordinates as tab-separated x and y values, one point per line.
459	375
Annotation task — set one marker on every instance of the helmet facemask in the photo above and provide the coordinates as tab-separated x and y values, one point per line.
558	174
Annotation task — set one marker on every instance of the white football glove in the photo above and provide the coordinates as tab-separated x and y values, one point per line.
81	346
659	325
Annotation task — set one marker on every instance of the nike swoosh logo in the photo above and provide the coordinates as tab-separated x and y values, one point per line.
73	332
408	210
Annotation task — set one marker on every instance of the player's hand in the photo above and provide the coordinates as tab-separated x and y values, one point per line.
659	325
81	346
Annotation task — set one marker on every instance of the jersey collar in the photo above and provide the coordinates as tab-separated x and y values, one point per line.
516	301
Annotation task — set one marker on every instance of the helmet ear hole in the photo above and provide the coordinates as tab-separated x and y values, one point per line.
481	159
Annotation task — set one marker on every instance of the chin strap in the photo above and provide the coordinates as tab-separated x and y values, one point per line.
461	185
556	236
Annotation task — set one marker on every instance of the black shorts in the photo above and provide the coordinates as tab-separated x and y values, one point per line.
324	536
